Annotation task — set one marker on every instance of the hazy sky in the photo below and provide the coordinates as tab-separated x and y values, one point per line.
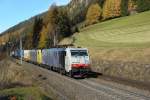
15	11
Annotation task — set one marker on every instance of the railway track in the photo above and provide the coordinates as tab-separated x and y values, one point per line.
84	89
116	92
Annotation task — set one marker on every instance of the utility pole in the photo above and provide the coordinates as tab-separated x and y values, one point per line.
54	39
7	47
21	49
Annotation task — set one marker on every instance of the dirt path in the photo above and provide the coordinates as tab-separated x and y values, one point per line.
65	88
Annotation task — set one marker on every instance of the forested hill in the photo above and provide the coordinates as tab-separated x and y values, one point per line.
59	22
24	23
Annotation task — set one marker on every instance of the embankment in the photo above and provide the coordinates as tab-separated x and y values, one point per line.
127	63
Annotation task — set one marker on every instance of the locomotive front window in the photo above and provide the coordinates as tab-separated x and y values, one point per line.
79	53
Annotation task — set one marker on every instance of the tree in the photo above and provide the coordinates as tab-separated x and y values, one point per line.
93	14
38	24
143	5
28	34
43	38
64	27
124	7
58	24
27	42
52	18
132	6
77	11
111	9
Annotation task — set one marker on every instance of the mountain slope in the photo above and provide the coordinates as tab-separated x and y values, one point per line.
130	31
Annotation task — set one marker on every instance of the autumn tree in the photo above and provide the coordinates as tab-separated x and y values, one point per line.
93	14
46	39
1	42
58	24
52	18
132	6
43	38
111	9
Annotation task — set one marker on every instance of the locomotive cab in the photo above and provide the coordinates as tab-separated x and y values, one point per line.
77	62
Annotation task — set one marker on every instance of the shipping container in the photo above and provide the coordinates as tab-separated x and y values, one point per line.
39	56
54	57
26	55
33	56
18	53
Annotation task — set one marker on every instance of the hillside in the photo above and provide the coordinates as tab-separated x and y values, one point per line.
118	47
77	11
130	31
116	33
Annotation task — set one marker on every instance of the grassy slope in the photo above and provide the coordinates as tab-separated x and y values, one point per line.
125	38
130	31
16	81
25	93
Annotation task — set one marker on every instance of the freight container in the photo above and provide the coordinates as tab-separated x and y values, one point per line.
54	57
18	53
39	56
33	56
26	55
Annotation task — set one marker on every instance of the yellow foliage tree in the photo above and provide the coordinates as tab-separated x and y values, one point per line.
93	14
1	41
111	9
43	38
51	21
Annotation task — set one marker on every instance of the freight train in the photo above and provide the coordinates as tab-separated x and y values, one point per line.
74	62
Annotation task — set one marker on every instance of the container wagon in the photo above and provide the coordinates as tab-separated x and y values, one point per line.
33	56
54	58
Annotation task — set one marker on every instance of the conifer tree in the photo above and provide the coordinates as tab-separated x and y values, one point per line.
143	5
36	31
124	7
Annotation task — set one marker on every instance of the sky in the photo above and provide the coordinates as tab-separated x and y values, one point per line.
14	11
